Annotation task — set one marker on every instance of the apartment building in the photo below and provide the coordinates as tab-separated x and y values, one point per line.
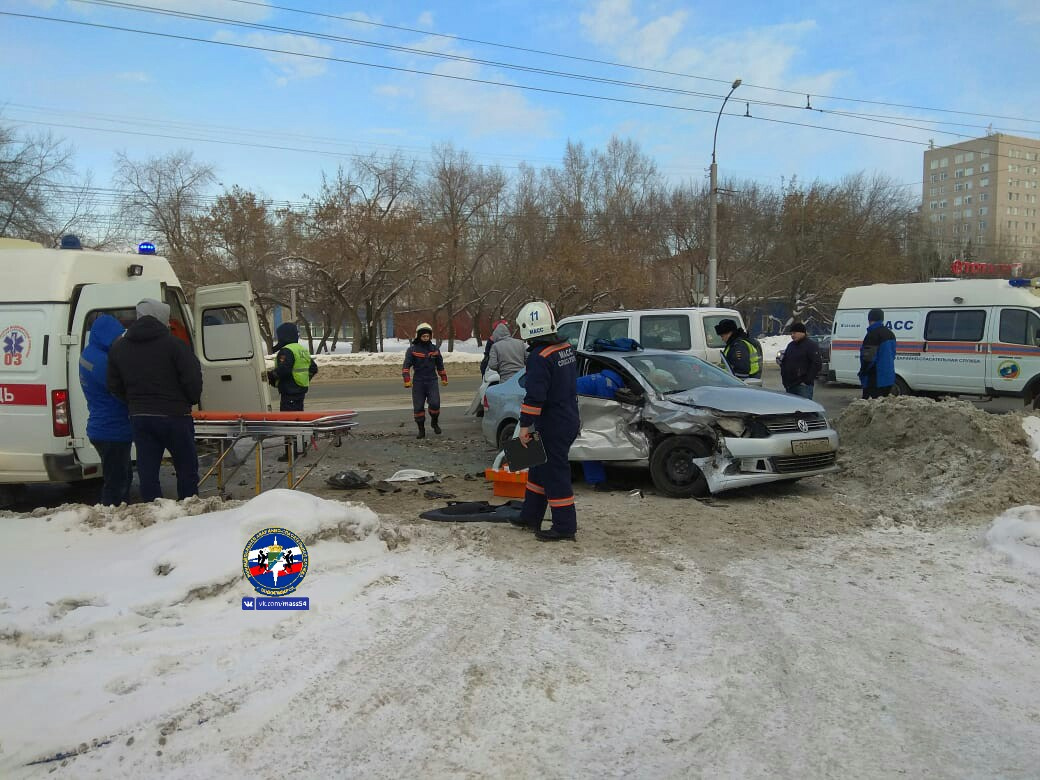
986	190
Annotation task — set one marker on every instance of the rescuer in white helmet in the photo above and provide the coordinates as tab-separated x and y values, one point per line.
424	356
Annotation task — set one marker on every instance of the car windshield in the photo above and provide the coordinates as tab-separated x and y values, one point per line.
676	373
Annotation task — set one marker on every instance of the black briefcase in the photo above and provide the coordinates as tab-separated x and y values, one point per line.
521	457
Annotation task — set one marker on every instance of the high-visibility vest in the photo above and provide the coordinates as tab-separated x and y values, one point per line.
756	358
301	367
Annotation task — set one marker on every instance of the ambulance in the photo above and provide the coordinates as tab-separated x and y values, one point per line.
961	337
49	298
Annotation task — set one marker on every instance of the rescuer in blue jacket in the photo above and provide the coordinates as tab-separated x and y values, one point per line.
551	407
877	357
605	384
108	421
425	358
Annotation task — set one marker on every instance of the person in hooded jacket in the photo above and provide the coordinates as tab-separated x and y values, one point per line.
108	421
742	353
160	379
293	368
425	358
508	356
877	357
604	384
490	343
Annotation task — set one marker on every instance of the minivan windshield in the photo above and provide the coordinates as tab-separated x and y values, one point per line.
678	372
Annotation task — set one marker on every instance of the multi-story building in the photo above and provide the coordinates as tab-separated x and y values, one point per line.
987	192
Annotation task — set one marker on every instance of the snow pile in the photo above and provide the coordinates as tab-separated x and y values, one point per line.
1031	425
1016	534
927	462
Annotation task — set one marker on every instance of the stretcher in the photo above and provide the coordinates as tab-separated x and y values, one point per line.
226	429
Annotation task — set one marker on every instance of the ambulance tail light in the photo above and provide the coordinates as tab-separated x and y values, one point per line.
60	412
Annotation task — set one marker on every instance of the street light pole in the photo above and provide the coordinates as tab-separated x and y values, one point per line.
713	211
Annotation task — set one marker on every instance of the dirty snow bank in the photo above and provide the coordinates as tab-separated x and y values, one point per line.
919	461
1016	534
1031	425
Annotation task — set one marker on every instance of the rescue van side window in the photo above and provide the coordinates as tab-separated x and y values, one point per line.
711	338
226	334
665	331
954	325
1018	326
605	329
570	331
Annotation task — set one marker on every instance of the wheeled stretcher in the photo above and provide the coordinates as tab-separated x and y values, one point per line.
229	428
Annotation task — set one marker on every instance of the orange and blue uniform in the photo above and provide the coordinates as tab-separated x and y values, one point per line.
551	407
426	361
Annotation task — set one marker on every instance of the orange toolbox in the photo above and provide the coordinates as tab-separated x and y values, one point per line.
506	483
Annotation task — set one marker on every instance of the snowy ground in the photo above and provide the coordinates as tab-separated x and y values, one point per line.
880	622
474	651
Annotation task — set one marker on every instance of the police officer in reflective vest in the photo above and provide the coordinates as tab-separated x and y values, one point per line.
550	407
742	353
293	368
424	356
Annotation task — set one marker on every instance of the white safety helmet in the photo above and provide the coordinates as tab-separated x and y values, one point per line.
423	326
535	319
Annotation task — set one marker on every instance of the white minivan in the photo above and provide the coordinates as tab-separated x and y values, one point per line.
961	337
690	330
48	300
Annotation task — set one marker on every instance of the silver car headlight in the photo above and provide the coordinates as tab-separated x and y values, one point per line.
732	425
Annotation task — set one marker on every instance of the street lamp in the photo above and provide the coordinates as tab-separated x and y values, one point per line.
713	211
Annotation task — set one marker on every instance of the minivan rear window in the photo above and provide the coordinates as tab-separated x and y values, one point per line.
605	329
665	331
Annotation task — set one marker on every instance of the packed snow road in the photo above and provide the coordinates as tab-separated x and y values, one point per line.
880	622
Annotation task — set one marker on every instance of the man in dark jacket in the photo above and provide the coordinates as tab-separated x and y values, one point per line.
424	356
160	379
550	406
801	362
742	353
877	357
108	421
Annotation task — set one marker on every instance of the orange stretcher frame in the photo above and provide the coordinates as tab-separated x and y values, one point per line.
228	428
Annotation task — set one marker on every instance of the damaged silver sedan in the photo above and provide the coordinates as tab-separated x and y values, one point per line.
698	428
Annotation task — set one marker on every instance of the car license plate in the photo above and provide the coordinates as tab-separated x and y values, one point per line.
811	446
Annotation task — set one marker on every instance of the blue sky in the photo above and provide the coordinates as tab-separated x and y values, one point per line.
968	56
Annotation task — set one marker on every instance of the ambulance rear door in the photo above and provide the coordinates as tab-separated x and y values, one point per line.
231	349
120	300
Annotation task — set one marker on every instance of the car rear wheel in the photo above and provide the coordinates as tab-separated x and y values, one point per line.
672	468
505	433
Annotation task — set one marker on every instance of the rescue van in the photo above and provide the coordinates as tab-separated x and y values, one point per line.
962	337
49	298
689	330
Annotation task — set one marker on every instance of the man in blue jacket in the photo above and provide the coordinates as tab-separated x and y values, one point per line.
605	384
877	357
108	421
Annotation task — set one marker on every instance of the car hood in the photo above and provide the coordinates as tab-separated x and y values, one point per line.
744	400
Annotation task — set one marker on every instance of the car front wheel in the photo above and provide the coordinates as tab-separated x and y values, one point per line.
505	433
672	468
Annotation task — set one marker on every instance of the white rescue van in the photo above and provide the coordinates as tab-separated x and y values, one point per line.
963	337
49	298
689	330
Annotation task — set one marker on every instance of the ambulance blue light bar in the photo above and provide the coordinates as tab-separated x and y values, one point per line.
146	248
1034	282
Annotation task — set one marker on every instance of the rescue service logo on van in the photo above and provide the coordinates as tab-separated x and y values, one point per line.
1009	369
275	561
16	344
